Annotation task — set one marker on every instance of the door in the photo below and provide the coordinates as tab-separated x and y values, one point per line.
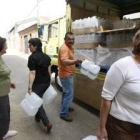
52	46
26	43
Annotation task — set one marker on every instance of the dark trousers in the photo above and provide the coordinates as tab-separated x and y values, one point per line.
4	116
121	130
39	89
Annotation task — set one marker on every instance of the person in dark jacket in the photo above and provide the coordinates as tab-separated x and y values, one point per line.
39	76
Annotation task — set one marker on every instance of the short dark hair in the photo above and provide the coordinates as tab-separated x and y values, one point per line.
136	43
36	42
2	41
68	33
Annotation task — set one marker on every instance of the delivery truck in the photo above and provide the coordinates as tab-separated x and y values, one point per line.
109	15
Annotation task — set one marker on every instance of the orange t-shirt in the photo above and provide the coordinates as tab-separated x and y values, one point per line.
65	53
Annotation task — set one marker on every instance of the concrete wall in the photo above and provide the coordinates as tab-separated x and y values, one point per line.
30	32
13	39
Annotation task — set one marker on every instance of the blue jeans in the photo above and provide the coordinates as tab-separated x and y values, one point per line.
67	96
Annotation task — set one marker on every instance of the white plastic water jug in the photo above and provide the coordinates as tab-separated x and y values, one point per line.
90	138
49	94
34	100
93	71
28	108
85	67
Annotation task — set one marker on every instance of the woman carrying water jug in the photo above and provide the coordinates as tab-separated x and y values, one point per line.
120	107
39	76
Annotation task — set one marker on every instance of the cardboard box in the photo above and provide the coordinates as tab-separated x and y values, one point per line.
85	45
89	30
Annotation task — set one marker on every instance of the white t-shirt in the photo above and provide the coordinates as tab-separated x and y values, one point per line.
122	86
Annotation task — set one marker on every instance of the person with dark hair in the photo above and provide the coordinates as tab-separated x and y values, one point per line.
66	65
120	107
39	76
68	33
5	84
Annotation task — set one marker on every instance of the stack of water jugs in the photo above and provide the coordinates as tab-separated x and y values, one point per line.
89	69
32	101
90	25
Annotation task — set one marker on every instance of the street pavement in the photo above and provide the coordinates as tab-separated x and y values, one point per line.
86	119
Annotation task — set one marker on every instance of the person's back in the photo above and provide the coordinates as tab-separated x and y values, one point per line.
42	62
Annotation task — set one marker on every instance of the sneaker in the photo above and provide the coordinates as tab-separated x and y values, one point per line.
67	118
49	127
10	133
71	109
